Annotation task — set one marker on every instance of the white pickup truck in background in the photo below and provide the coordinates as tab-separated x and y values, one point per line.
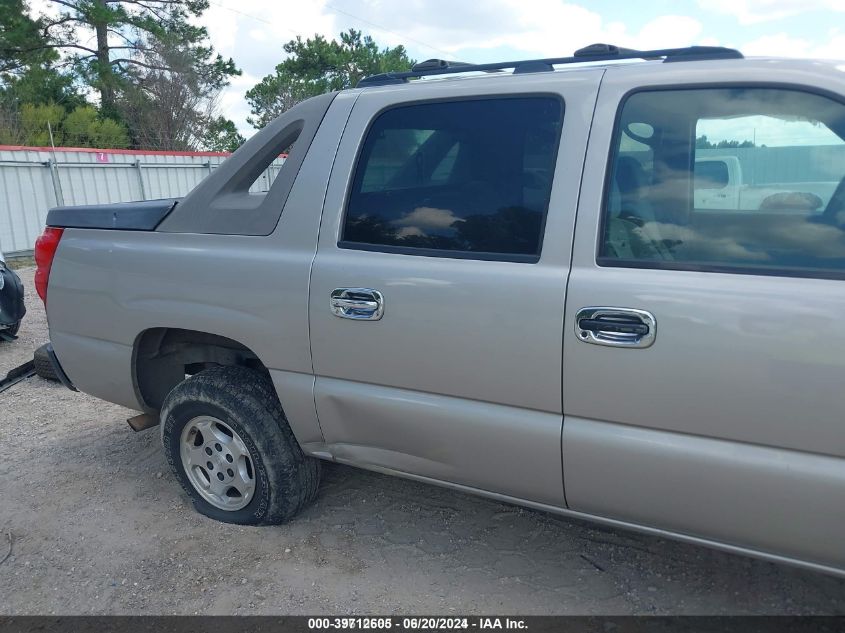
719	185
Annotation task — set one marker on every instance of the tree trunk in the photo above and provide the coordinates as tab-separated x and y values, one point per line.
104	69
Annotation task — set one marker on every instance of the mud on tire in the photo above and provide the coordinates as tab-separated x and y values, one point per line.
286	480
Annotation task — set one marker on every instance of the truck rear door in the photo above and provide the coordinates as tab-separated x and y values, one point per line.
437	293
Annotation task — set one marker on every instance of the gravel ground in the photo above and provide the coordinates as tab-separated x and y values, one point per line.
100	526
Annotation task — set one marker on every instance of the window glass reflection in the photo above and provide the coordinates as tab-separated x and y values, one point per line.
472	176
743	178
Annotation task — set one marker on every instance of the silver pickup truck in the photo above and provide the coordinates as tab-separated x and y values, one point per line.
498	282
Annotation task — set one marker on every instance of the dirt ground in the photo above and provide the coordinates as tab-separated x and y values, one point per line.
100	526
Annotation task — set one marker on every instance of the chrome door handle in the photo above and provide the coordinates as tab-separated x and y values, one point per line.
618	327
363	304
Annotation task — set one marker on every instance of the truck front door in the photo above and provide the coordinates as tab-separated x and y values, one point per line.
703	349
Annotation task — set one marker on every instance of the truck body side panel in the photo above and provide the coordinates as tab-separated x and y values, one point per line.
107	287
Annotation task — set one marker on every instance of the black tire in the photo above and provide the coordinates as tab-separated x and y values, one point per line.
43	366
10	333
286	479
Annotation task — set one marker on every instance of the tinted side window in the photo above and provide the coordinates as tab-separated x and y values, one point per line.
739	179
471	177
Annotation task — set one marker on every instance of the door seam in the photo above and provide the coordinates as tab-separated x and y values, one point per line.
314	259
566	287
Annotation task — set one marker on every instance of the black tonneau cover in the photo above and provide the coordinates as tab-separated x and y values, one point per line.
127	216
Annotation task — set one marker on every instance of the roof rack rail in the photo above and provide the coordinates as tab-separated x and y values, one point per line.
434	64
594	52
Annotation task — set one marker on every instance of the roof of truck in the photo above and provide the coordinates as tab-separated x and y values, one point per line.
593	56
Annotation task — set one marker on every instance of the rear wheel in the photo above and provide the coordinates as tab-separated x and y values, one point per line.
227	440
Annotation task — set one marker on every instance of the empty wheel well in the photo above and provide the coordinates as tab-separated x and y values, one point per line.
163	357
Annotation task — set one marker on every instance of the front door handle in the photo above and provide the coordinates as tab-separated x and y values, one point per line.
364	304
617	327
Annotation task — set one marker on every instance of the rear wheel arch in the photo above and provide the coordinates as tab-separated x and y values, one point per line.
163	357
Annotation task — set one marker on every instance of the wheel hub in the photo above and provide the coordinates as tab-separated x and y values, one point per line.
217	463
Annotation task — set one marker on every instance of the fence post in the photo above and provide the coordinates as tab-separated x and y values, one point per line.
141	180
208	166
57	184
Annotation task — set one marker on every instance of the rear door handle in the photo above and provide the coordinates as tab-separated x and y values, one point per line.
363	304
617	327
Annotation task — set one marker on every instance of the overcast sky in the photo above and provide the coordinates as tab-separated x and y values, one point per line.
253	31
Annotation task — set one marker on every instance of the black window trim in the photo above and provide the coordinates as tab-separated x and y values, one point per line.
521	258
769	271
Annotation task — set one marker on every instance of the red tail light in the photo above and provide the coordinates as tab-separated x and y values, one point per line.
45	249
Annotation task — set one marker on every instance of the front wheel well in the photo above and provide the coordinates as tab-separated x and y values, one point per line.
164	357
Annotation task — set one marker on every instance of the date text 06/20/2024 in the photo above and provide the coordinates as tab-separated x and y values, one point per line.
417	623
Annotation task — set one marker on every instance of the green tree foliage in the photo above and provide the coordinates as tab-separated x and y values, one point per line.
82	127
173	107
315	66
28	69
40	84
147	59
22	42
122	30
36	122
703	143
276	94
37	85
222	136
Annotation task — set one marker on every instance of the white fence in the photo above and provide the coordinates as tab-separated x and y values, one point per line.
35	179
